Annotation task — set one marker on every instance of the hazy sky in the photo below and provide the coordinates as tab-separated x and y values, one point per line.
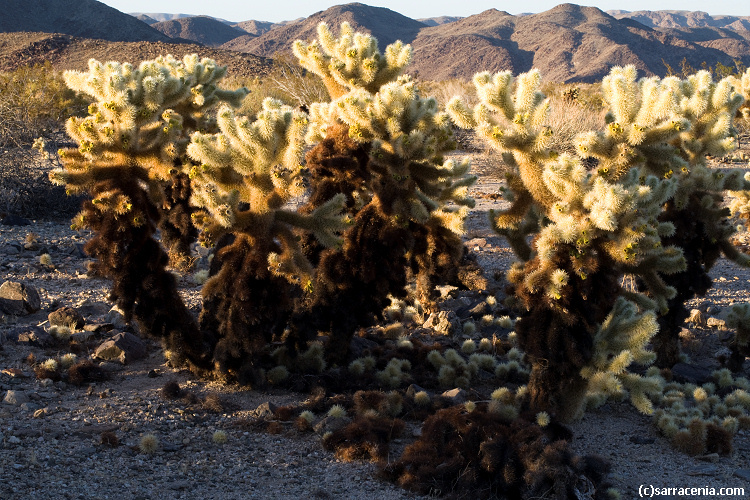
280	10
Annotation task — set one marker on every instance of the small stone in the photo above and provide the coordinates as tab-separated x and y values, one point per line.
457	396
123	347
742	474
443	322
14	440
264	411
15	397
34	335
29	406
704	470
19	299
47	382
116	317
66	316
642	440
717	323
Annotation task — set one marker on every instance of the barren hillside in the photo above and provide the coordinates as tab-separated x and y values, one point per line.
69	52
567	43
386	25
201	29
683	19
84	18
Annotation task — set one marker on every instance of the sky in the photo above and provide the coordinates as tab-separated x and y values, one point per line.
280	10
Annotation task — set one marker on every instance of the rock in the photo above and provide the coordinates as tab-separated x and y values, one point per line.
14	220
116	317
98	327
480	310
476	243
359	345
413	389
457	396
642	440
447	291
693	374
717	323
711	457
123	347
264	411
19	299
30	334
66	316
697	318
742	474
443	322
15	398
11	249
704	470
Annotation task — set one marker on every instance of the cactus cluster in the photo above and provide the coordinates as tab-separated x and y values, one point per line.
130	158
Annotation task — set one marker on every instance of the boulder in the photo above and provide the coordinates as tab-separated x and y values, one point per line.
19	299
123	347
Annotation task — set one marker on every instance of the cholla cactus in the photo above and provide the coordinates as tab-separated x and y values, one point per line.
130	152
381	144
246	174
352	60
590	230
142	118
669	127
742	84
739	319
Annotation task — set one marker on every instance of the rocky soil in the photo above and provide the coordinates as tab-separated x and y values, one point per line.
61	440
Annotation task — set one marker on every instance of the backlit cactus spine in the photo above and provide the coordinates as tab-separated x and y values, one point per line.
244	176
381	144
130	152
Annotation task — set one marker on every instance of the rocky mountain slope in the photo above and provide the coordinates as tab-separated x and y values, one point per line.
69	52
683	19
84	18
567	43
386	25
200	29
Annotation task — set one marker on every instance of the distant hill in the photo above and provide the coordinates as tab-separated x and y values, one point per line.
437	21
201	29
158	17
83	18
683	19
69	52
386	25
567	43
256	28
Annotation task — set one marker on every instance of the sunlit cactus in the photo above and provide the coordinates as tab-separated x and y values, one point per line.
244	176
590	228
130	155
380	144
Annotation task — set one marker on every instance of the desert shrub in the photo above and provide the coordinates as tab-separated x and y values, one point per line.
33	100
